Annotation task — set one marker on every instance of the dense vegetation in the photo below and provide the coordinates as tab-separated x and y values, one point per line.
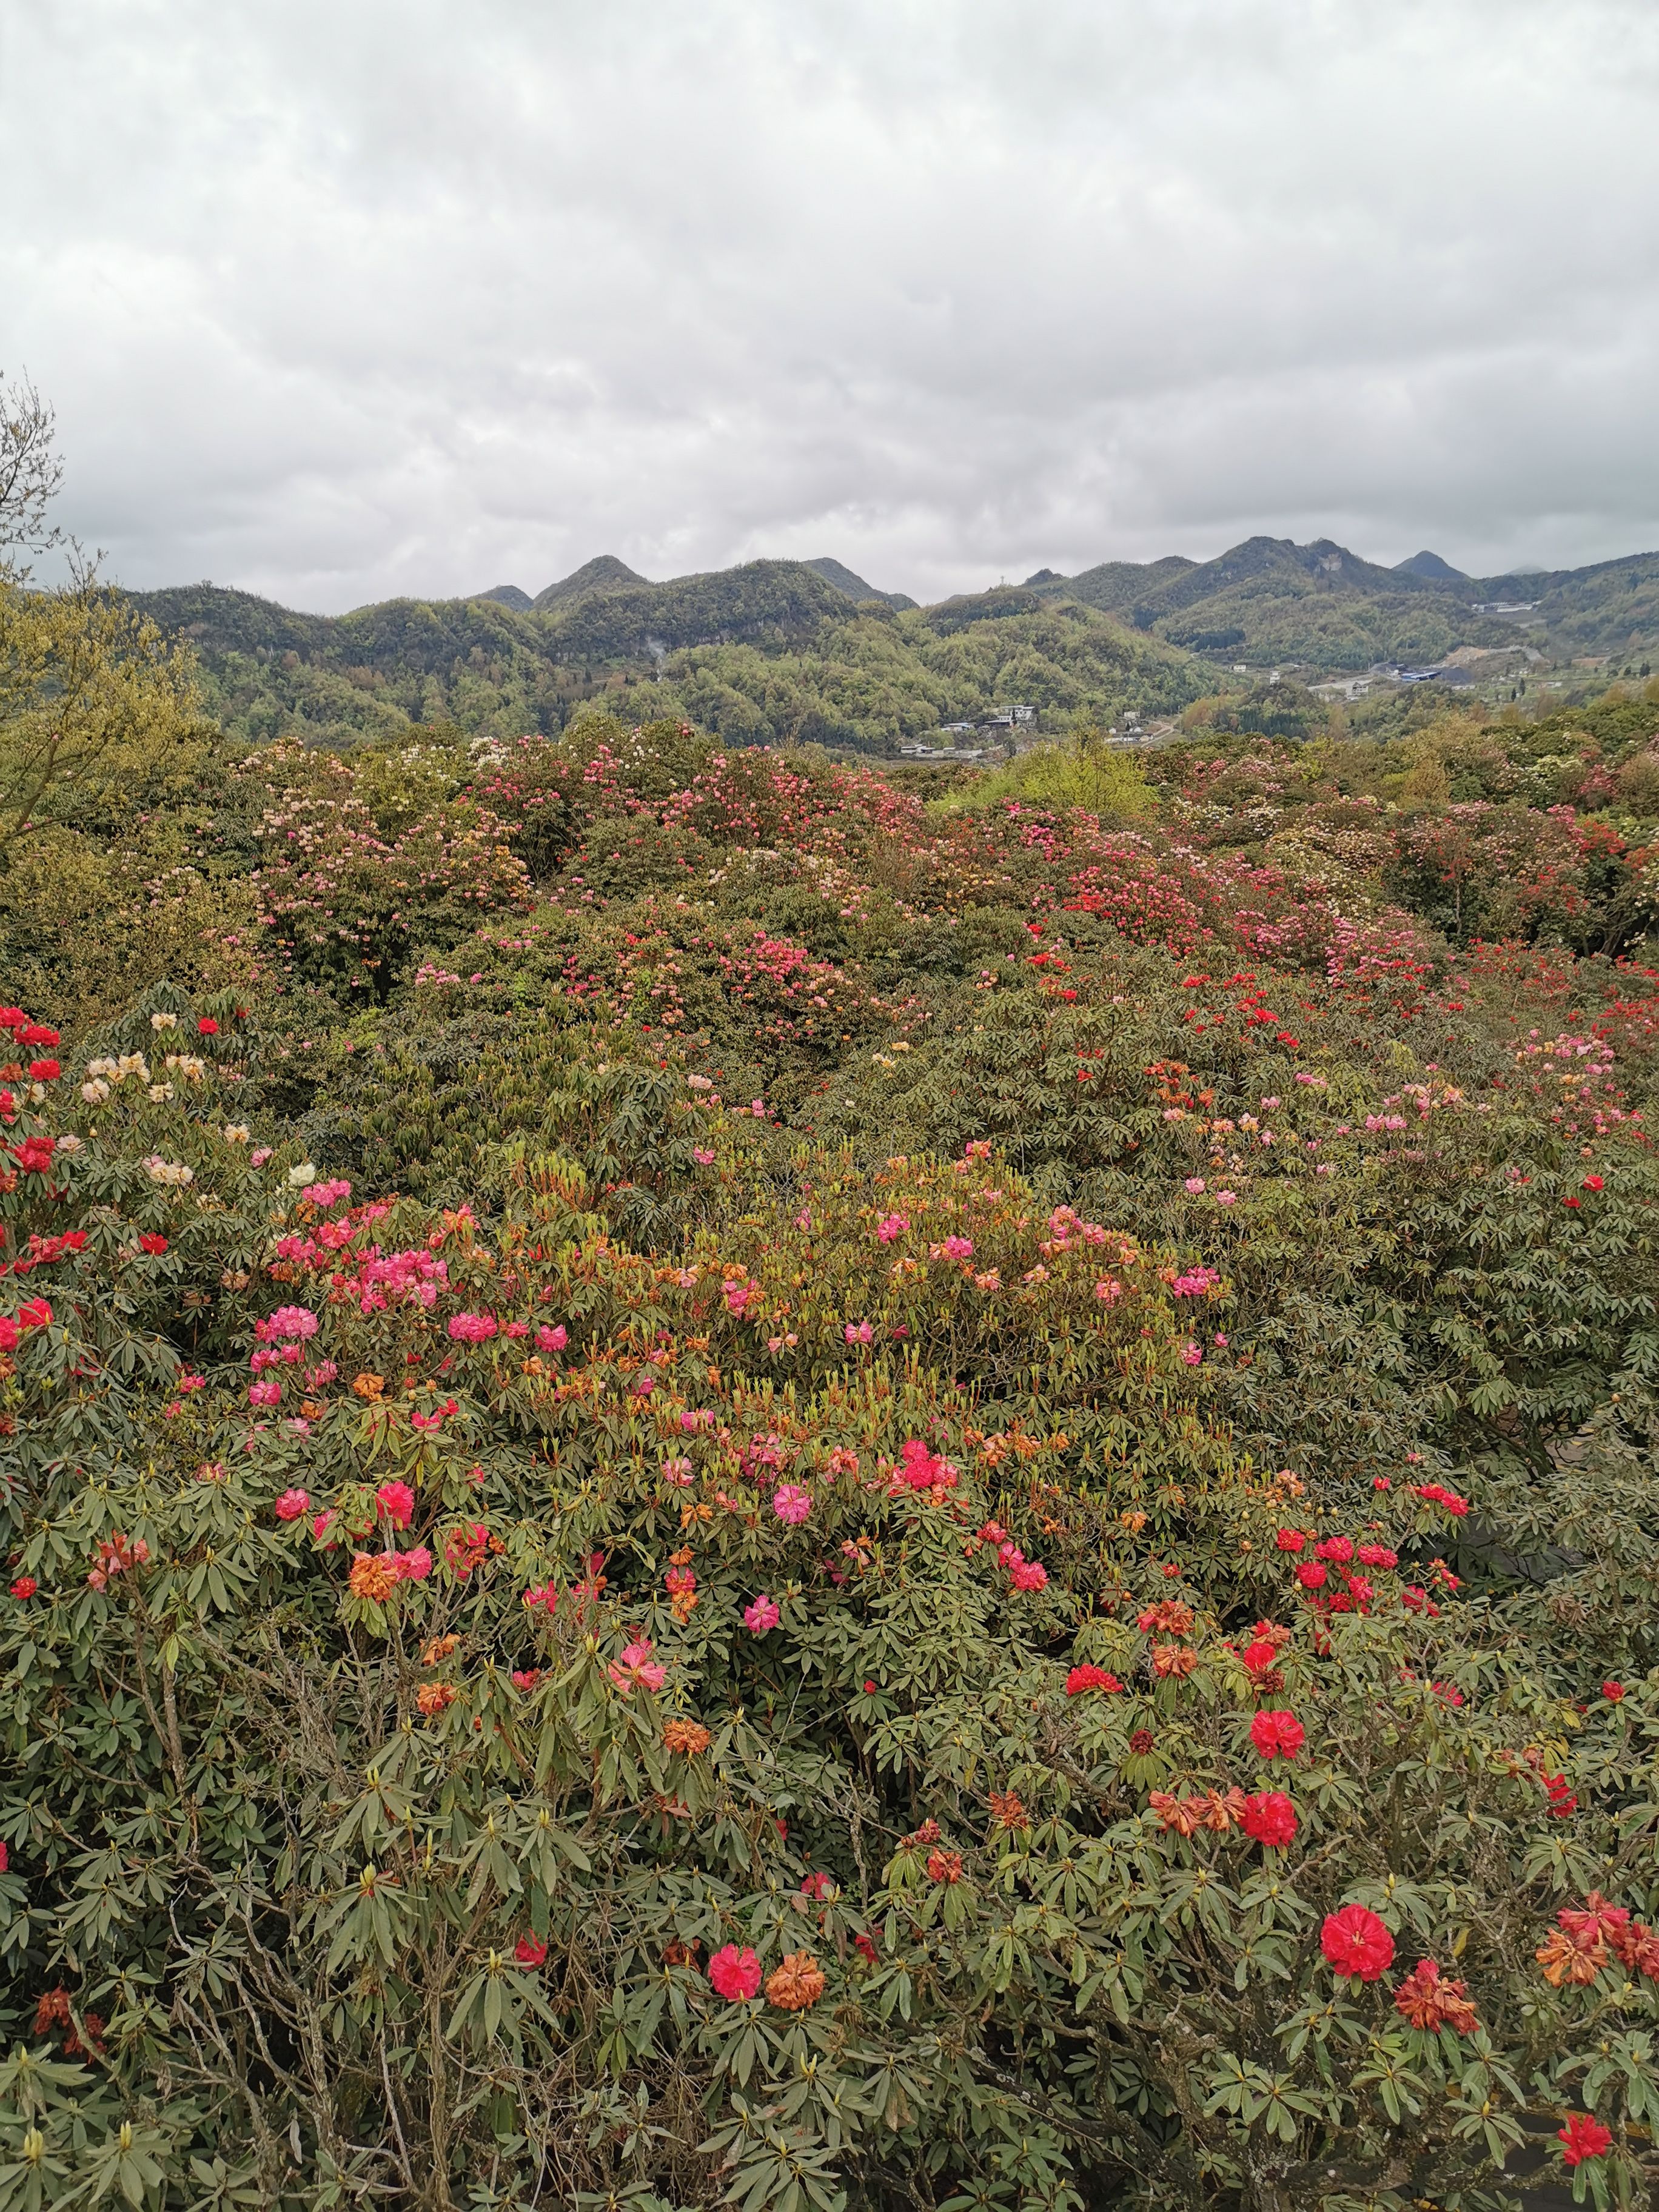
769	654
728	1480
792	652
1320	607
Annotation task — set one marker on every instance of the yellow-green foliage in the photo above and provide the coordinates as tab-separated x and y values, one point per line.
1086	773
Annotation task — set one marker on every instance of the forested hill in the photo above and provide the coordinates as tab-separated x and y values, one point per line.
769	653
1322	606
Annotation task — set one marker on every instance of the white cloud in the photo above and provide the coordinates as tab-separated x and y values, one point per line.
338	302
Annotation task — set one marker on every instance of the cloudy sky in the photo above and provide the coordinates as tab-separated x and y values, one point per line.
340	301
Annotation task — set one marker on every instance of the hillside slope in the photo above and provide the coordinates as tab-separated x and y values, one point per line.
1322	607
766	652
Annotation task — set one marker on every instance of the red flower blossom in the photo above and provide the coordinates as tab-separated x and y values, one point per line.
1612	1692
151	1242
1289	1539
1584	2138
24	1587
944	1867
529	1952
1090	1677
1356	1944
207	1026
1312	1576
735	1975
1278	1735
1269	1817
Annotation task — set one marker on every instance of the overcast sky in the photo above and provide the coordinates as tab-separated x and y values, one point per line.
341	301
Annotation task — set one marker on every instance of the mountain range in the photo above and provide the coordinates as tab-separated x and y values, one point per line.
774	650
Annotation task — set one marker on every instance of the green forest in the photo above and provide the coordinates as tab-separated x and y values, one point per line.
799	653
738	1475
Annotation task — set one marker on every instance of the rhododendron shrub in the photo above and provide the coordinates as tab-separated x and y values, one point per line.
569	1770
857	1504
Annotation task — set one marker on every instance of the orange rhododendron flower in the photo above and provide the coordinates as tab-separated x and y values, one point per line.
1007	1811
1428	2003
1570	1961
797	1984
373	1578
434	1698
688	1736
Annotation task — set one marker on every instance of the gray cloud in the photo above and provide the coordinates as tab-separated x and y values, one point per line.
341	301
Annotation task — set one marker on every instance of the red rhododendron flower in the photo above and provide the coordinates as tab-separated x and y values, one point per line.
735	1975
1258	1657
1269	1817
1559	1790
1357	1943
1291	1539
291	1504
24	1587
1612	1692
150	1241
1312	1576
1277	1734
207	1026
1338	1548
1090	1677
1584	2138
529	1952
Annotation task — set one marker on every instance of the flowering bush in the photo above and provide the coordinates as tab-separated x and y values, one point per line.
1030	1587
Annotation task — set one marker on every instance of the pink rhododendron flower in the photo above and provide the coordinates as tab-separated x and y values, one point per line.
397	1503
791	1502
264	1394
859	1332
291	1504
414	1564
760	1615
552	1339
636	1669
892	1227
472	1328
735	1975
